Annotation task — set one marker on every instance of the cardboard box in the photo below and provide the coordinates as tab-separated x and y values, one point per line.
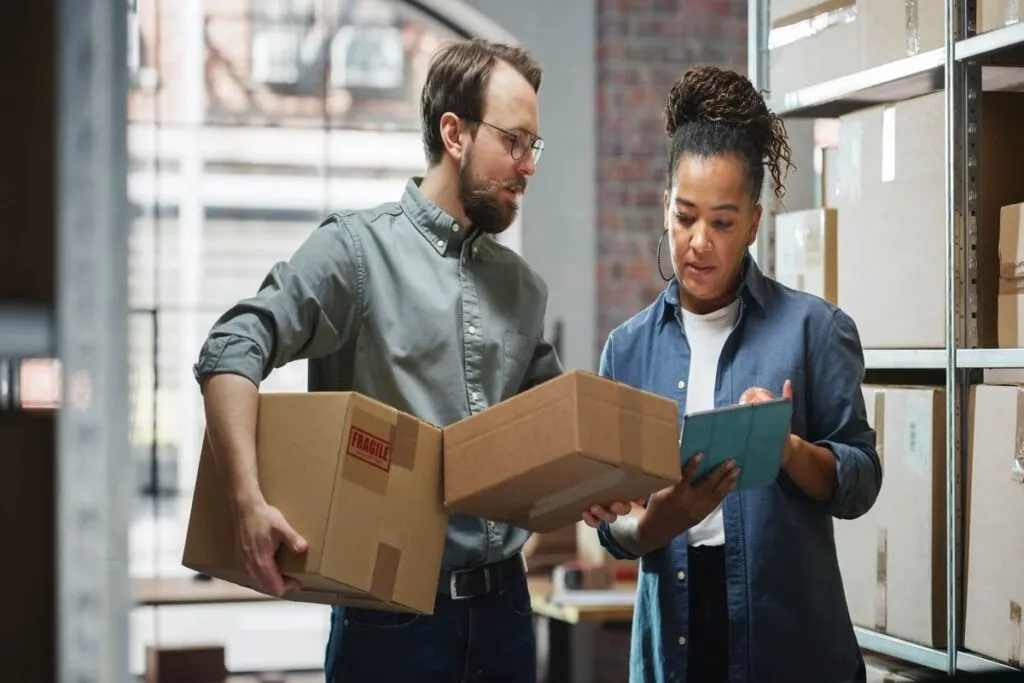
539	459
993	14
995	507
805	251
882	669
827	40
889	589
1010	306
887	182
359	480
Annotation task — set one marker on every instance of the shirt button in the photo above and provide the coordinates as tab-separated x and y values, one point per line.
681	385
472	330
681	575
682	640
455	228
440	243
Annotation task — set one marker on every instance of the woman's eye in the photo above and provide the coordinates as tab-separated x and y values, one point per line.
722	225
684	220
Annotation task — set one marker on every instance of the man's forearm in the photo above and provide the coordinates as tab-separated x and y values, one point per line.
231	403
813	469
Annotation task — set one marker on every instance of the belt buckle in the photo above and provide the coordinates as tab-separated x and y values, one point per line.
452	586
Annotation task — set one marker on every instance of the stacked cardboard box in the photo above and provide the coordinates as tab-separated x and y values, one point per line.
995	507
370	487
1010	309
889	588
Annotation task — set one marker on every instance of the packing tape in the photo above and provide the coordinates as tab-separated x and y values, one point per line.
404	439
881	580
1013	658
371	440
804	25
1017	472
1012	9
631	426
1011	278
913	31
385	572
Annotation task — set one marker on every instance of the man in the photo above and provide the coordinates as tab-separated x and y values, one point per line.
415	304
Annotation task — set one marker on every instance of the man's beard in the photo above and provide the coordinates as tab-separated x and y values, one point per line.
483	204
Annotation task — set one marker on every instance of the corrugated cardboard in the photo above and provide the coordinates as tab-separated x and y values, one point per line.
995	544
887	180
805	251
993	14
359	480
889	588
539	459
1010	307
827	40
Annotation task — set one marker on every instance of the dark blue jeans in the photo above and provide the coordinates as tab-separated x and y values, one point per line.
484	639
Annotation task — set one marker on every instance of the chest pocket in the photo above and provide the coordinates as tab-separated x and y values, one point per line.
518	352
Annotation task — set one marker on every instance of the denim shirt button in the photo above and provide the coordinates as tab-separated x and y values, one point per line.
682	640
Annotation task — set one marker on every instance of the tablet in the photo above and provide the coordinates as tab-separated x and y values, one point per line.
753	434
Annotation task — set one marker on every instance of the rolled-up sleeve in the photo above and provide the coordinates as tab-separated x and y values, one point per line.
606	368
838	418
306	307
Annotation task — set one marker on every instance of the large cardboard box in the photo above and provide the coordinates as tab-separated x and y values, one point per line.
995	508
889	587
1010	306
805	251
993	14
359	480
814	42
887	182
539	459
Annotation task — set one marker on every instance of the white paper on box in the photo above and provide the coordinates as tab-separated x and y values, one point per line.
848	162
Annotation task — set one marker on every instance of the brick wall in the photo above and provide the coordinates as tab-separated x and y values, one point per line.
643	46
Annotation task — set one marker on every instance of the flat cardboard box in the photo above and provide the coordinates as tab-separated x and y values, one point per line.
886	180
359	480
805	251
537	460
889	589
995	507
1010	307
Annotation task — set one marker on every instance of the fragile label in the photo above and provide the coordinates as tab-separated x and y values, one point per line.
369	448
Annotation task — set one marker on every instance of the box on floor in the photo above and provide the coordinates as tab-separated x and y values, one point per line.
889	588
995	507
359	480
1010	307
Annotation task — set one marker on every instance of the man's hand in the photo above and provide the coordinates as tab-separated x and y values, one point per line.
262	529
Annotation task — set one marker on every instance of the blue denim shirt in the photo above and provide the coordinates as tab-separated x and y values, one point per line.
788	618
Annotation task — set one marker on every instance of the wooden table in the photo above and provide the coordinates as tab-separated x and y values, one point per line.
540	594
186	591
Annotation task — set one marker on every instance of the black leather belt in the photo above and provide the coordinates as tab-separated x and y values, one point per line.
460	584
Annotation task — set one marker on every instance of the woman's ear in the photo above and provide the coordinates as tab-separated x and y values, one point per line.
756	225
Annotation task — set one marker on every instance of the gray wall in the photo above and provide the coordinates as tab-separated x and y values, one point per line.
559	214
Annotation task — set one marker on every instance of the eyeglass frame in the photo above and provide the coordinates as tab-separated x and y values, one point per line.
536	142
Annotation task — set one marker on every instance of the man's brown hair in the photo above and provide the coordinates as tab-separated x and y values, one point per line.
457	82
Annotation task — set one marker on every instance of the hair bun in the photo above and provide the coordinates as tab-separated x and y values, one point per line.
706	94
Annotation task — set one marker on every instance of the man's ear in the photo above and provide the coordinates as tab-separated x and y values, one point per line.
451	135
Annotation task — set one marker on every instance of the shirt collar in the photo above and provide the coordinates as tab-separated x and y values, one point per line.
442	231
751	289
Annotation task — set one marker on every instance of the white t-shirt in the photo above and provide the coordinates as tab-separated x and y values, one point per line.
706	335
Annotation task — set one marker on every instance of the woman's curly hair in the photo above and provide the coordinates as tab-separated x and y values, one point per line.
710	111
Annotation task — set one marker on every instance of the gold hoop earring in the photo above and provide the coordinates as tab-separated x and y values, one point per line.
661	241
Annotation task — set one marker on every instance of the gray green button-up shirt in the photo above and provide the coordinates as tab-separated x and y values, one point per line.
403	304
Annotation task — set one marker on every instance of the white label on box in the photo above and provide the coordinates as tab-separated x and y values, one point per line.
919	432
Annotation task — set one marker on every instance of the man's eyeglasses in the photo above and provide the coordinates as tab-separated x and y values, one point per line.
518	142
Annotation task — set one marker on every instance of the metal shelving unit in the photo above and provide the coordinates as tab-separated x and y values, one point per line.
962	69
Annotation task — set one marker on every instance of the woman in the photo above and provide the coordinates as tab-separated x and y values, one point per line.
740	586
